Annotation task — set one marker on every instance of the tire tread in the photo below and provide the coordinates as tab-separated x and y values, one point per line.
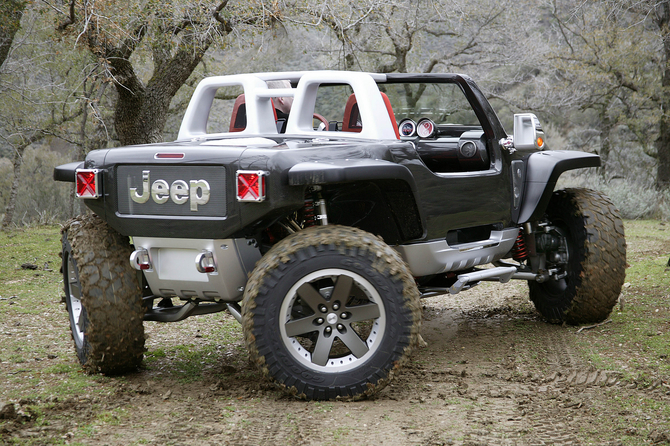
110	294
602	270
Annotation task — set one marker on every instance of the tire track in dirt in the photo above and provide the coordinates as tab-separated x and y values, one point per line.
559	353
266	430
520	366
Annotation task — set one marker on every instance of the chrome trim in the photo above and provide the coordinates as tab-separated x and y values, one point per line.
436	257
160	191
205	263
235	310
405	122
502	274
176	314
140	257
526	276
169	156
421	129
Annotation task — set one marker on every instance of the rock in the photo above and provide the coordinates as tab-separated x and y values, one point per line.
217	386
8	411
657	437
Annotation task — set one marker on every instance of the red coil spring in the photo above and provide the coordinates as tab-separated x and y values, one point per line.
519	250
308	211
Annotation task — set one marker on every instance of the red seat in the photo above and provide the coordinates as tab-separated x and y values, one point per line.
352	119
351	122
238	118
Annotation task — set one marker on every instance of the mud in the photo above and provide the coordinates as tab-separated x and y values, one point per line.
492	373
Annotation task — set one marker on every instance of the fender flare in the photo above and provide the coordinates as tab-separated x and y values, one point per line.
542	172
66	172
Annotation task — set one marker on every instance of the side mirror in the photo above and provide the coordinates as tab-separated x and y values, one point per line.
528	134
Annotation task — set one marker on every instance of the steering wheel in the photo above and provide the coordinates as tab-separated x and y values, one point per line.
323	120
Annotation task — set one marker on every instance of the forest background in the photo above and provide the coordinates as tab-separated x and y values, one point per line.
78	75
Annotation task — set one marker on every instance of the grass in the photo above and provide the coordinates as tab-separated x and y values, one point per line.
37	248
38	363
35	343
637	342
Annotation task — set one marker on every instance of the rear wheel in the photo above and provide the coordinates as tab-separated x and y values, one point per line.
590	252
331	312
102	296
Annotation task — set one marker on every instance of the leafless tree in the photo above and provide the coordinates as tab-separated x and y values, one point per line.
39	87
603	63
170	38
411	35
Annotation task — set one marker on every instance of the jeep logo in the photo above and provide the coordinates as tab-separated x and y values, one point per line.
195	191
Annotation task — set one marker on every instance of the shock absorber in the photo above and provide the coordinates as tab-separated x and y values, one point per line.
519	250
314	202
322	217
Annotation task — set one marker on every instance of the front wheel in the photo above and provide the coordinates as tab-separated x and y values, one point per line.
331	312
592	253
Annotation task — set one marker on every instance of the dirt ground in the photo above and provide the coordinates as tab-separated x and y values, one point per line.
492	373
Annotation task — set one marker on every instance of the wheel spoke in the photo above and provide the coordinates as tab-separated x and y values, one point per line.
363	312
80	321
353	342
332	320
322	349
73	283
300	326
342	289
310	296
75	291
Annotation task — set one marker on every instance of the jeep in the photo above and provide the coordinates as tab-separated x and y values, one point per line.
320	229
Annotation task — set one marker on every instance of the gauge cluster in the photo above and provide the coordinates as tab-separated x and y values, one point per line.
447	148
425	128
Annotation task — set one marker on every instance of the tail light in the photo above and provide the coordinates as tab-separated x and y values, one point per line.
251	185
88	183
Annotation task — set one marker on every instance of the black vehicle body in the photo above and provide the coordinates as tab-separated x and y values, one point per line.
383	187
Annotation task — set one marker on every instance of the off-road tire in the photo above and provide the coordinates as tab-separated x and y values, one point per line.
597	259
313	258
102	296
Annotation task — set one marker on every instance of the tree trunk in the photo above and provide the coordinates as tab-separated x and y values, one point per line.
11	12
178	44
663	141
605	139
13	193
141	111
